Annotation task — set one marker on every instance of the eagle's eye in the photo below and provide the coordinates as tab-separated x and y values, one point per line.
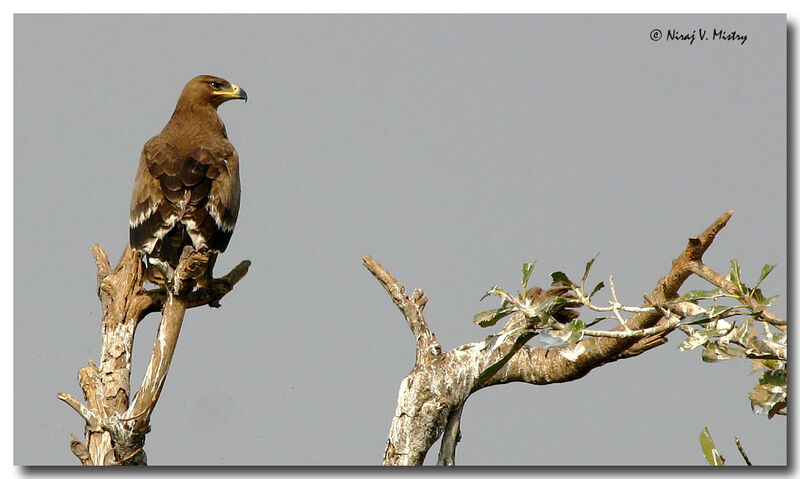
217	85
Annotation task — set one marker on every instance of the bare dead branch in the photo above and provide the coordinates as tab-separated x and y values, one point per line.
91	419
115	426
80	450
428	348
741	450
167	338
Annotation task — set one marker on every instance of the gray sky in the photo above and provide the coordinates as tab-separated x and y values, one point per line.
450	148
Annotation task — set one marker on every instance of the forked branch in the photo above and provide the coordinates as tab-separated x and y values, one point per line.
115	425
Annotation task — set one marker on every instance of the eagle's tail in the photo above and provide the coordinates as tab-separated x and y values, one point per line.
170	247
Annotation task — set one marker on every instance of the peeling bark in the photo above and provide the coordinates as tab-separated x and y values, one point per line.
116	426
432	396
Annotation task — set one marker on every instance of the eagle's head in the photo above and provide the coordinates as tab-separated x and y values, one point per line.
211	90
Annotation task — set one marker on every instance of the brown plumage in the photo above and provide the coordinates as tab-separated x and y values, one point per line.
187	187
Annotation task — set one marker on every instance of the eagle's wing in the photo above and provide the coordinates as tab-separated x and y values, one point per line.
217	171
184	199
152	216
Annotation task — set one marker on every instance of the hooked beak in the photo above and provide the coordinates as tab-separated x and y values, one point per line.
235	93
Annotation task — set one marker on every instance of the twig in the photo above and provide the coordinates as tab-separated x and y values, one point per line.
627	333
91	419
615	306
718	280
741	450
585	301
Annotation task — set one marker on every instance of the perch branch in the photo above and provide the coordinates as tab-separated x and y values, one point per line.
116	426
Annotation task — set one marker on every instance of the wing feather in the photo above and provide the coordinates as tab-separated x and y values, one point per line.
181	198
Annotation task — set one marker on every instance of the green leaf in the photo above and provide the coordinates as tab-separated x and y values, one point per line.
499	291
698	318
698	338
769	364
778	338
697	294
527	268
713	353
770	300
492	370
576	324
560	279
709	451
551	305
595	321
757	295
767	269
692	342
483	316
597	288
763	399
771	389
565	338
489	317
774	378
736	274
745	332
496	291
720	311
763	302
588	267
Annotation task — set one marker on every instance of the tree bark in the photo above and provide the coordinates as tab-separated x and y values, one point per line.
116	426
432	396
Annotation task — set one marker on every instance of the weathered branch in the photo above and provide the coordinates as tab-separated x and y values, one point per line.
167	338
450	437
91	419
432	396
427	345
742	452
115	426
